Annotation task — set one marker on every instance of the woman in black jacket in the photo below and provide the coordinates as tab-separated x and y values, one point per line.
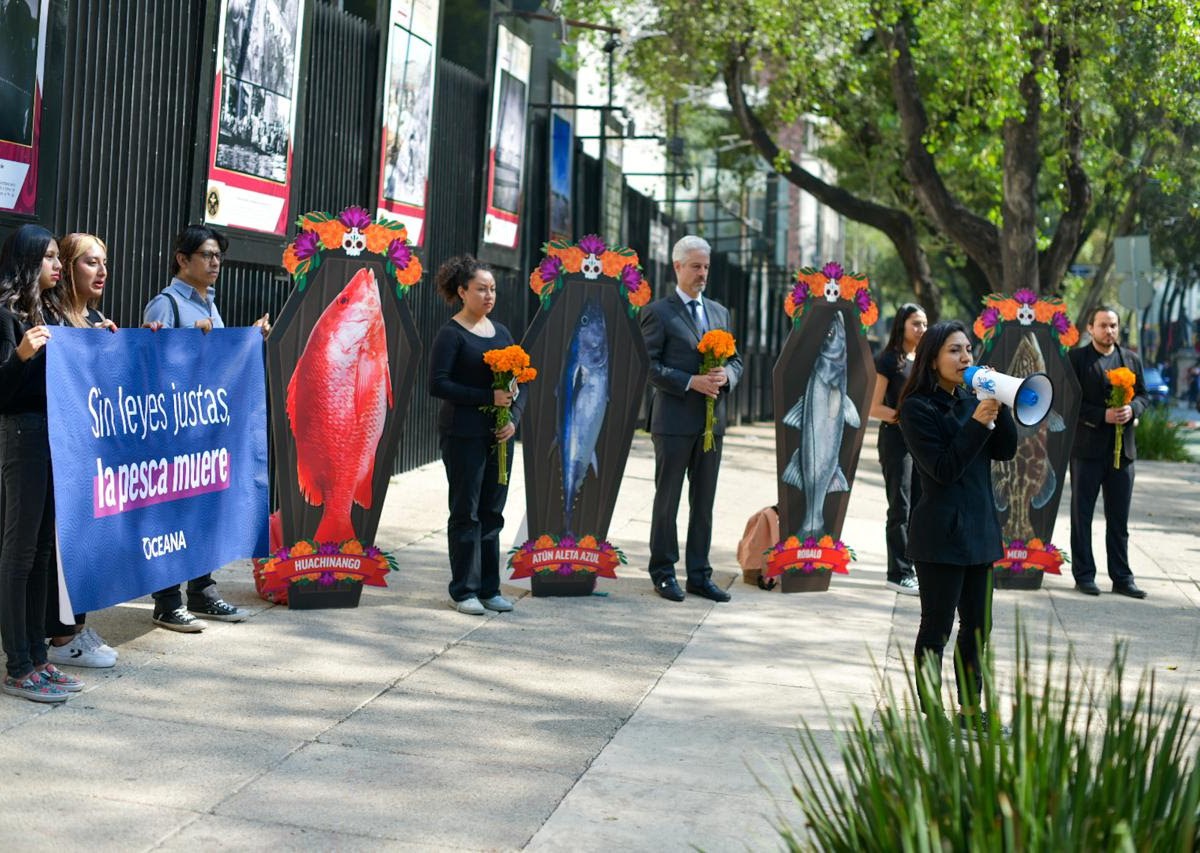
459	377
954	532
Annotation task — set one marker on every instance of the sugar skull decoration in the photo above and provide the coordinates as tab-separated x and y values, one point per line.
1025	300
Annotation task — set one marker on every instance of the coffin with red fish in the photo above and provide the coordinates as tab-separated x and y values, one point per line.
337	401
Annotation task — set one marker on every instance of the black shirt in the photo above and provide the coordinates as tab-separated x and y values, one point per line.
22	383
459	376
895	368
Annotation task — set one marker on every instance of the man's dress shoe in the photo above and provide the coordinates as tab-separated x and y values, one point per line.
708	590
669	589
1130	589
1088	588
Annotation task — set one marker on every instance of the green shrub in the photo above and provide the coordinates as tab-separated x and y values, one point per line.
1083	769
1159	437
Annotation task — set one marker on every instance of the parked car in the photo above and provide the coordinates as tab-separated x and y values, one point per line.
1156	386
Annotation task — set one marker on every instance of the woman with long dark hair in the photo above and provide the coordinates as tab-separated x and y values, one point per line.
955	532
460	378
84	260
892	368
29	270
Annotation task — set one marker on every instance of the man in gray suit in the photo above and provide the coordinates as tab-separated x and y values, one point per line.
672	327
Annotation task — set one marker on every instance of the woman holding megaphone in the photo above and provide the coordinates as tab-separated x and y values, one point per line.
954	531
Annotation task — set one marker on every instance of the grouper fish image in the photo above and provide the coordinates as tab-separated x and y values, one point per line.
337	400
582	403
821	414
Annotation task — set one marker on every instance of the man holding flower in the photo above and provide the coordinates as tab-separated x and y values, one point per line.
673	328
1113	396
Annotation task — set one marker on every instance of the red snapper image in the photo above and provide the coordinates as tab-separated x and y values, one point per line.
337	400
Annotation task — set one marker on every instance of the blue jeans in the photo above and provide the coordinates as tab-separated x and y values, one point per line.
27	546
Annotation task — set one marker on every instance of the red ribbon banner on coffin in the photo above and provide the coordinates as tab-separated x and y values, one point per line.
1031	558
796	558
525	563
277	578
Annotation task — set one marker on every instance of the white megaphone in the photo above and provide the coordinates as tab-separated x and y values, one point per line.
1029	398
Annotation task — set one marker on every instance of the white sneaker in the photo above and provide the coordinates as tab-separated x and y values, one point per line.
470	606
79	652
96	642
498	603
905	586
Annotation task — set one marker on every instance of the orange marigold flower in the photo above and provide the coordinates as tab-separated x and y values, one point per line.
847	288
825	541
588	542
1043	311
718	343
611	264
352	546
792	542
572	258
535	282
300	549
641	296
1035	544
290	261
331	233
527	374
379	237
1069	338
870	316
1008	309
789	305
544	541
980	330
411	274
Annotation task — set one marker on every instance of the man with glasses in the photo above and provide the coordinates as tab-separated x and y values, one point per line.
188	302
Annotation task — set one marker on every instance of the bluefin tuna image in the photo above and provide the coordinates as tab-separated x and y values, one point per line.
1027	481
821	415
582	403
337	401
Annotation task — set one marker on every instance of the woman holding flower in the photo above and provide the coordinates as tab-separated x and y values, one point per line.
463	380
1112	397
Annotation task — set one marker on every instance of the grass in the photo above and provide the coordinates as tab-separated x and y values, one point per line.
1160	438
1087	767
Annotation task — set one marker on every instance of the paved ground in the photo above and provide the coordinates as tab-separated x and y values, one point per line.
616	721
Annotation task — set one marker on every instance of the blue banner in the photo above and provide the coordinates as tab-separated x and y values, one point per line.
159	449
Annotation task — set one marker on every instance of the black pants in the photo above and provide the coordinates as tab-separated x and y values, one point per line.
897	467
27	547
476	515
676	456
1090	477
945	589
200	591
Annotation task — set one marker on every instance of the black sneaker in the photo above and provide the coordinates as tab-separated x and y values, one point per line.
219	610
179	620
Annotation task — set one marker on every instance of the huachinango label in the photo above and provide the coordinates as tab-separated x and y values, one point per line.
322	563
564	556
810	555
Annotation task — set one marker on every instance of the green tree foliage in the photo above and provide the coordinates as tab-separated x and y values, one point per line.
998	134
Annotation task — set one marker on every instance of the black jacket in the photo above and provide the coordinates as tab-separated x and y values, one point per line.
954	520
1094	438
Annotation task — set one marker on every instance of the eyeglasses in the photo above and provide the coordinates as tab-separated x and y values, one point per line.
210	256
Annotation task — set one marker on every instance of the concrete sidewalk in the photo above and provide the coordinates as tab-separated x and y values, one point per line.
613	721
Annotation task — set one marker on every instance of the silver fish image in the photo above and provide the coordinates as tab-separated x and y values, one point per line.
582	403
1027	481
821	415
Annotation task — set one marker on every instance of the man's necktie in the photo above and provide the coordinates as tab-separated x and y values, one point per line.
697	317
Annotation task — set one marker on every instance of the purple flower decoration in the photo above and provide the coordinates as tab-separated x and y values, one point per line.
328	549
832	270
592	244
355	217
1017	567
399	254
281	554
527	548
1025	296
810	542
1017	543
800	293
1060	322
550	268
839	545
567	542
808	568
631	277
371	552
990	317
306	244
862	299
326	579
566	569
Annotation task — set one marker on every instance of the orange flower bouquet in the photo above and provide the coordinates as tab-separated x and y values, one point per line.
1121	380
716	348
510	367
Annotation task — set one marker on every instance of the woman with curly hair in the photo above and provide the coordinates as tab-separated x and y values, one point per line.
29	270
460	378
